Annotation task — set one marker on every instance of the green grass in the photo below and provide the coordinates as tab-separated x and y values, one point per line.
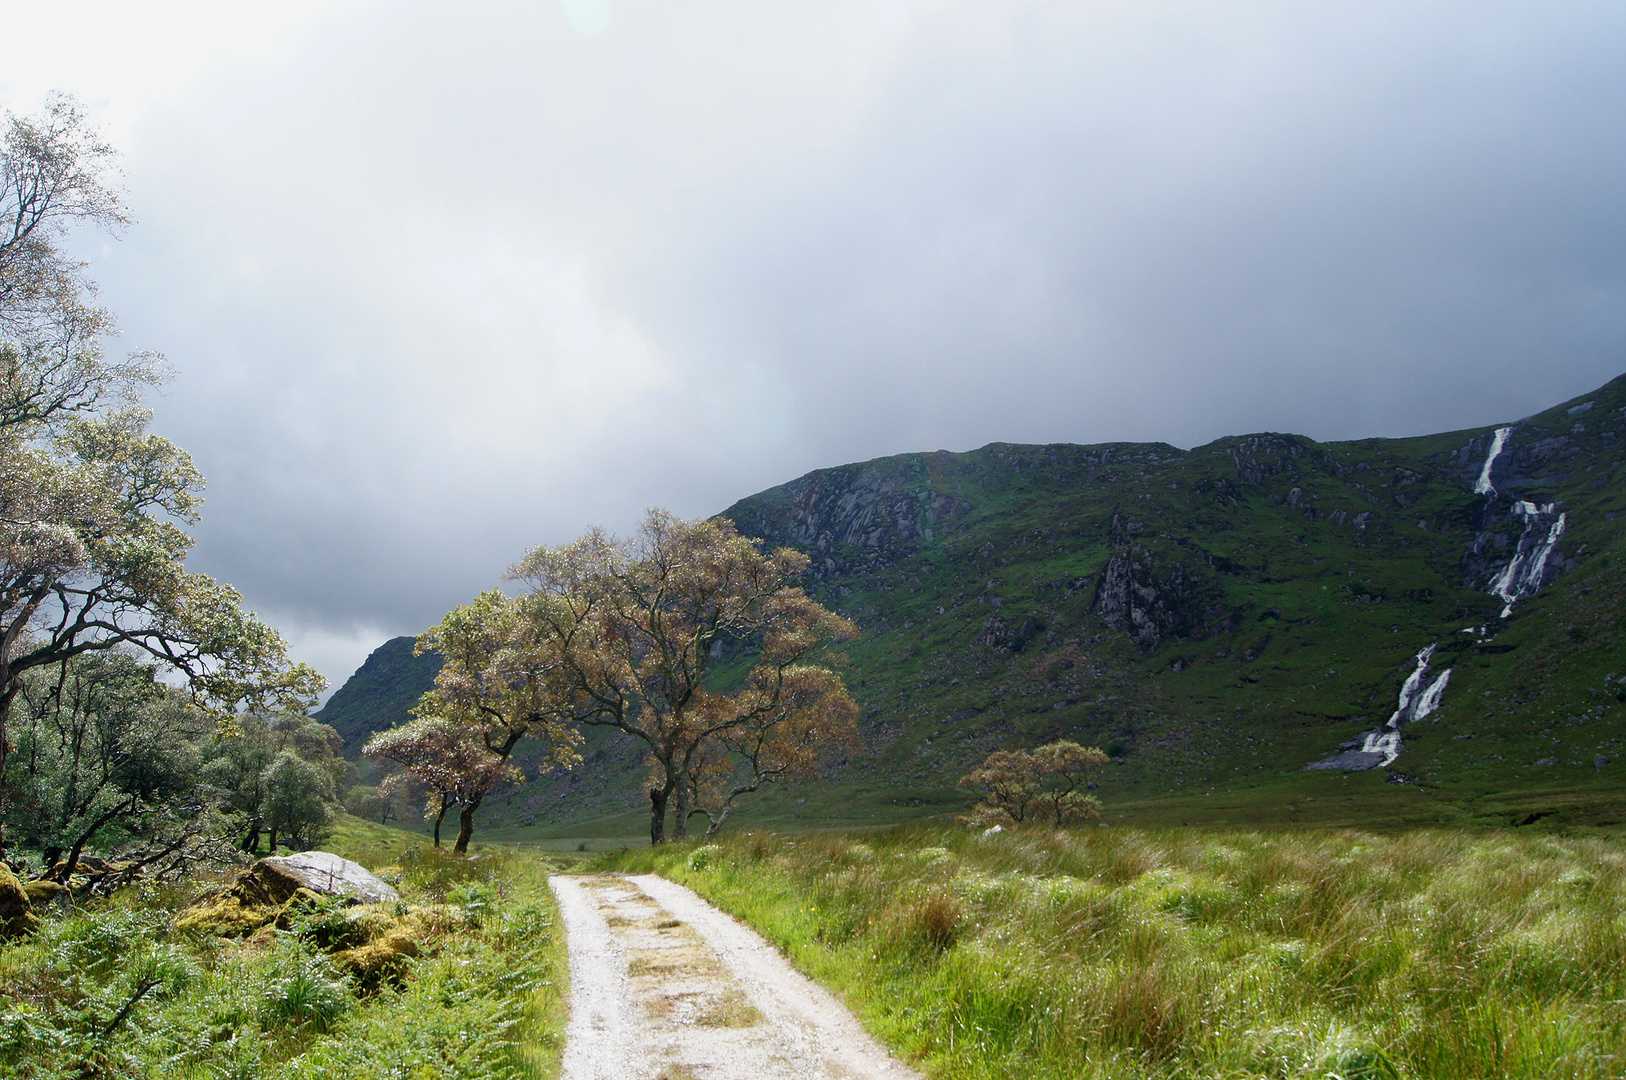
111	990
1131	953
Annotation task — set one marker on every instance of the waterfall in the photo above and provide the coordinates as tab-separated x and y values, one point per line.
1523	574
1483	485
1419	696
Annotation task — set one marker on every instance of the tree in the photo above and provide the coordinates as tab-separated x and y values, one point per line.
448	762
1028	785
626	634
298	797
93	508
101	746
238	765
495	687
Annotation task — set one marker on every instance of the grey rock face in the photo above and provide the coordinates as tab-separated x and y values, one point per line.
326	873
1155	591
1349	761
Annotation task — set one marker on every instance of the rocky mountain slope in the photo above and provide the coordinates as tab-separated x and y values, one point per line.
380	694
1441	610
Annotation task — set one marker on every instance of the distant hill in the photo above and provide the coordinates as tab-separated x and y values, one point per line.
378	696
1221	618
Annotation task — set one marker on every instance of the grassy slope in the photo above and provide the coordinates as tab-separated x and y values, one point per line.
1131	954
380	694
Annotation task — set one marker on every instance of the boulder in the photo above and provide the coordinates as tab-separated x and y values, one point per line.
324	873
44	895
16	912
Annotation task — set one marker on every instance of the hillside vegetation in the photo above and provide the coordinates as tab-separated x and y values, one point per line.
1216	619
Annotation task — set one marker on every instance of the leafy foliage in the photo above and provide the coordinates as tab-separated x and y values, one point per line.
624	633
93	508
1032	785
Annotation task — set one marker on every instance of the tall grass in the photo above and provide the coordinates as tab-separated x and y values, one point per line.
1120	953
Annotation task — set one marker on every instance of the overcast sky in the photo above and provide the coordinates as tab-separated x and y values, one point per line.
440	281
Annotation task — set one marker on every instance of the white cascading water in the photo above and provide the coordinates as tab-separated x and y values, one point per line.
1523	574
1419	696
1483	485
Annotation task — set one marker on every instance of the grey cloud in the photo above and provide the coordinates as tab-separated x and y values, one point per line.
451	281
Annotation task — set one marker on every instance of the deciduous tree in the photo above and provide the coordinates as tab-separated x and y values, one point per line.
448	762
93	508
626	634
497	684
1030	785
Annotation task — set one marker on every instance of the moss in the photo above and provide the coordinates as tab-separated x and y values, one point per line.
44	893
17	917
396	940
225	915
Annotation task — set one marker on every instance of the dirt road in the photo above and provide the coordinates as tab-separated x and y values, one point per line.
663	986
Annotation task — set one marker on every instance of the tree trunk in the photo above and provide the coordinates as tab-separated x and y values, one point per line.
680	827
273	839
439	817
657	817
8	691
62	873
251	842
465	824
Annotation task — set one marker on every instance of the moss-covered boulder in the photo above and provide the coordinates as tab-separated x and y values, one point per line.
391	940
44	895
16	910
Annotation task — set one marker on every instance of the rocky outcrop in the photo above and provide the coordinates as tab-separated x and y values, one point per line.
1258	457
1155	590
852	515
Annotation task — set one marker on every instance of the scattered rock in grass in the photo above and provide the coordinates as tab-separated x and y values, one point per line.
325	873
276	889
48	896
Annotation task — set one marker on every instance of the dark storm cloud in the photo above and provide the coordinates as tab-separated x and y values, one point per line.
443	283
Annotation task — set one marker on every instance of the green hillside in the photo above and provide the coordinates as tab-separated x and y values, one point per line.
1217	619
380	694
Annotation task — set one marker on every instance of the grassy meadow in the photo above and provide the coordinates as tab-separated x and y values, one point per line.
1128	953
111	989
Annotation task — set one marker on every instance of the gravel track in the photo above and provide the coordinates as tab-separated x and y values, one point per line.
663	986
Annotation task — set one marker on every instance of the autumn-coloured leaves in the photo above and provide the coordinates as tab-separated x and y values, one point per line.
1039	786
686	637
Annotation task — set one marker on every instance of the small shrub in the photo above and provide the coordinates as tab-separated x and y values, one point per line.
702	858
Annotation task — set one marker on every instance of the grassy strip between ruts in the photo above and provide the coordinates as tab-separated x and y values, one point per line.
113	990
1123	953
